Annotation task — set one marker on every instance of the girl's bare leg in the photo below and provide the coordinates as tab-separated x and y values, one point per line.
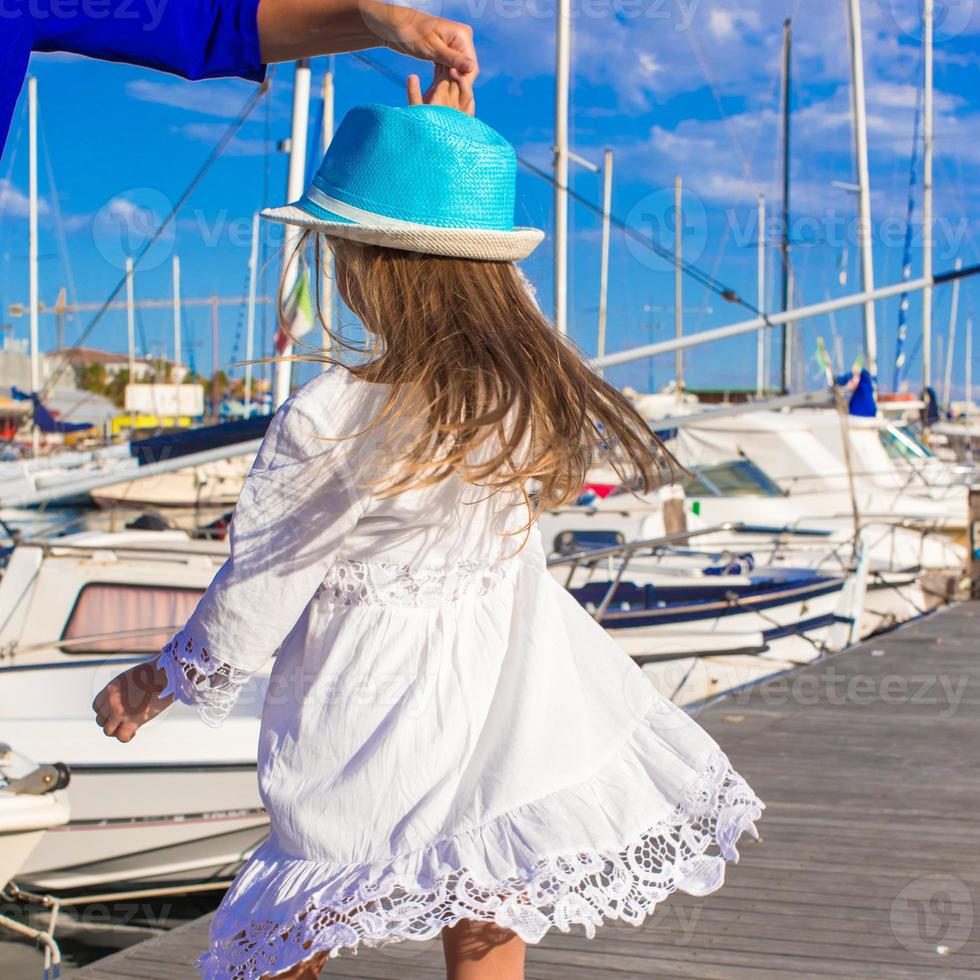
482	951
307	970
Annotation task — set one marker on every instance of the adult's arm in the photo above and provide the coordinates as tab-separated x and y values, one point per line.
218	38
290	29
191	38
214	38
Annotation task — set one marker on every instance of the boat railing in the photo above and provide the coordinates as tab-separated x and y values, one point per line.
84	643
176	550
800	478
627	551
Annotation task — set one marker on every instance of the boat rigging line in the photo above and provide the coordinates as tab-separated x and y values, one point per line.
213	157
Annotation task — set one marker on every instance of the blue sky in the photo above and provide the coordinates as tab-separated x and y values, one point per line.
685	87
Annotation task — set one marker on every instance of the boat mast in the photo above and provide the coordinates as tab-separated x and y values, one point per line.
253	275
968	381
177	340
864	185
32	248
954	311
760	350
326	282
927	110
678	284
295	185
563	31
786	331
607	175
130	334
130	321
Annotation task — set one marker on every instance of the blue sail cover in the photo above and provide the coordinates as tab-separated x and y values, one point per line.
159	448
863	402
43	418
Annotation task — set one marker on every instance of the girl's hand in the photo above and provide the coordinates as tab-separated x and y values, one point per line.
446	89
130	700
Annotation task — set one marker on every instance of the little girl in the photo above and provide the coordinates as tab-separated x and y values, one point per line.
450	744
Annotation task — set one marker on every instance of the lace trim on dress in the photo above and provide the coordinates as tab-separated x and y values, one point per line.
360	583
559	892
197	678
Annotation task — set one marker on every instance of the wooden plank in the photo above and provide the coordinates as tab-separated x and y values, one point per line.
873	800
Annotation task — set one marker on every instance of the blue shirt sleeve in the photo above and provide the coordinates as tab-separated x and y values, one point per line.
191	38
15	49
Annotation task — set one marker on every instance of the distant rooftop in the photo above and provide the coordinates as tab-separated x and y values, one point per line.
93	355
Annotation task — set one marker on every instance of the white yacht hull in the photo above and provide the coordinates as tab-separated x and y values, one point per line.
179	803
216	485
25	818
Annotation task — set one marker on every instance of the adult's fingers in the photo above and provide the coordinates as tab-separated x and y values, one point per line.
452	46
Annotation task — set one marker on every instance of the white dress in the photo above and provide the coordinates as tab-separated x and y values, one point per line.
446	734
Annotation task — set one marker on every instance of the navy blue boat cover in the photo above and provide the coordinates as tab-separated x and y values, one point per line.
157	449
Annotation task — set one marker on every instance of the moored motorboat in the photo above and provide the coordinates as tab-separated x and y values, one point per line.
170	807
32	802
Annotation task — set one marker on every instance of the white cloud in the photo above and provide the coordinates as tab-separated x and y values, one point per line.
902	95
14	202
210	133
124	210
209	98
721	23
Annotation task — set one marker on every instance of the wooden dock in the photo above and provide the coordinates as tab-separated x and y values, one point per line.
869	763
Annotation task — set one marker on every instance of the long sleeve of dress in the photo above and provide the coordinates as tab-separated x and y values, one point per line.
299	503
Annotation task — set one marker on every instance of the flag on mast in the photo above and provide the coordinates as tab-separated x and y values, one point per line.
297	319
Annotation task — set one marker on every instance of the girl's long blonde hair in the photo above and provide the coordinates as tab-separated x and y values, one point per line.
502	397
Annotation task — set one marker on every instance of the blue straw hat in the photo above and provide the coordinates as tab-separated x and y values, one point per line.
420	178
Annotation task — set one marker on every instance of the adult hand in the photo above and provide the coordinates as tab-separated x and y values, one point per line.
444	90
290	29
421	35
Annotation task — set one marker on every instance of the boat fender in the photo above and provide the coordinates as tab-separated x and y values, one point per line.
44	779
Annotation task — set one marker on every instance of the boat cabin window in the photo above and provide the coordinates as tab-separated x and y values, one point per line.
901	442
572	542
738	478
131	619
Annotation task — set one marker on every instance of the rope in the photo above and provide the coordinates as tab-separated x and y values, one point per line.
56	207
218	150
692	37
15	145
